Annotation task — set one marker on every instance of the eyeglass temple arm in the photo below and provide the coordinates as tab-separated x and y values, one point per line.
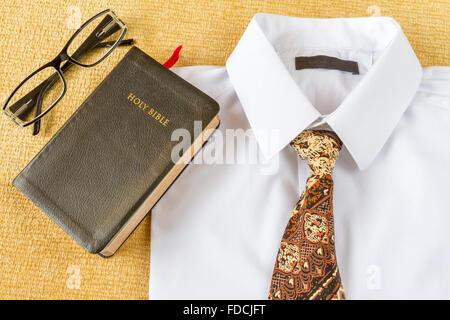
24	105
92	42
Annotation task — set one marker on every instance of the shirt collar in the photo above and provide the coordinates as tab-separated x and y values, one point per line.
274	103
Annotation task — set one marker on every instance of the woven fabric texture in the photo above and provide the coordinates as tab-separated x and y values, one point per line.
38	260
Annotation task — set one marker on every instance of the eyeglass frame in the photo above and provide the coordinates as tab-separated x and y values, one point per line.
56	64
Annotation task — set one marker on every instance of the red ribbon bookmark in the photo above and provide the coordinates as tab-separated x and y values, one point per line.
174	58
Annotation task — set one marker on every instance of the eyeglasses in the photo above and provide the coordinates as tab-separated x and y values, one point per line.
35	96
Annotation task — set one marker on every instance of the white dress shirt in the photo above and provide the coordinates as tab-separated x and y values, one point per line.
216	232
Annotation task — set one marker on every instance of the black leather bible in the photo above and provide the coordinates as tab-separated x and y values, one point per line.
107	166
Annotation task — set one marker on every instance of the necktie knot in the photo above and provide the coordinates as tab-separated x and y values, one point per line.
320	148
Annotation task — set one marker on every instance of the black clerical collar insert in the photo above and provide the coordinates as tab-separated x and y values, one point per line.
326	62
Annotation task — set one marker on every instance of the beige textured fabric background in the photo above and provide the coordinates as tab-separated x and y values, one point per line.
37	259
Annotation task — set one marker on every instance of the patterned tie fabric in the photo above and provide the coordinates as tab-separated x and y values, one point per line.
306	267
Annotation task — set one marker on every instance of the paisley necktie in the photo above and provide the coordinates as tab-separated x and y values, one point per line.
306	266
